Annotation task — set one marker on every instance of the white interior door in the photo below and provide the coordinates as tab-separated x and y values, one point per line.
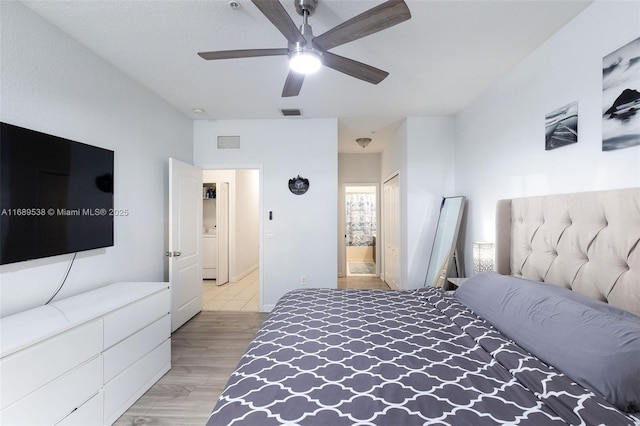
391	232
185	237
222	227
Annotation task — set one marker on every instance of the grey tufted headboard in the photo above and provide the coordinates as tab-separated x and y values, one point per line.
588	242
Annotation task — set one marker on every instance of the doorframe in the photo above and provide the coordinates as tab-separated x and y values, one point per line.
260	168
342	206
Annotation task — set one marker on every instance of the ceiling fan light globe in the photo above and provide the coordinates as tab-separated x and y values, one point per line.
305	62
363	142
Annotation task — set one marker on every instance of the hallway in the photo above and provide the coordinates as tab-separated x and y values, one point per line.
362	282
243	295
238	296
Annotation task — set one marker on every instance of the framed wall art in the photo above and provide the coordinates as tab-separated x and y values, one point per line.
561	127
621	97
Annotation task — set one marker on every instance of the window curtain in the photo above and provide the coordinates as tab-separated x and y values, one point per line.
361	213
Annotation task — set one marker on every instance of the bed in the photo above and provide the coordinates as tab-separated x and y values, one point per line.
552	338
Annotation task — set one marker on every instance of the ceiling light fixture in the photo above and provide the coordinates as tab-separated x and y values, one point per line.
305	61
198	110
303	57
363	142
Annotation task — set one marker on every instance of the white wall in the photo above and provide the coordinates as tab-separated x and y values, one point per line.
52	84
422	151
353	169
500	137
429	177
302	240
394	157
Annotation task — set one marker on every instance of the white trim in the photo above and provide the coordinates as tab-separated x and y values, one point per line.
244	273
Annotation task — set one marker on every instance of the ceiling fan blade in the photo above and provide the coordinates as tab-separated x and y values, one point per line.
293	84
246	53
279	17
373	20
354	68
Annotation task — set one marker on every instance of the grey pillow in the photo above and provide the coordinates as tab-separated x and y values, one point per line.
596	345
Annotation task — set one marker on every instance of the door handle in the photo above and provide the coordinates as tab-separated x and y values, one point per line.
168	254
176	254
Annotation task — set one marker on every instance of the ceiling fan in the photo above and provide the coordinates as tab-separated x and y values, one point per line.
307	53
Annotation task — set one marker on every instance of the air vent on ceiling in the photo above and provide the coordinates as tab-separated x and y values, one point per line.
291	112
228	142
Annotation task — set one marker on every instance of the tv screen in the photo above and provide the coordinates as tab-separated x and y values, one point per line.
56	195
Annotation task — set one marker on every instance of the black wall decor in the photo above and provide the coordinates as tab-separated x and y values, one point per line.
298	185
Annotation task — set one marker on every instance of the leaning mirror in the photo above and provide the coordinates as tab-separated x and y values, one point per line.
445	241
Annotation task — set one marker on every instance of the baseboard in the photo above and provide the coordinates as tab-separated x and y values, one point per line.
267	308
238	277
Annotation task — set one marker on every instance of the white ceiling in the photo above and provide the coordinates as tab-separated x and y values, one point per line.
439	61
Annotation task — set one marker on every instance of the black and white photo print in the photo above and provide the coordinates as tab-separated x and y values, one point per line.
621	97
561	126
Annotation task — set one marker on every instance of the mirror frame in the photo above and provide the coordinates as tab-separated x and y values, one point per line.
445	241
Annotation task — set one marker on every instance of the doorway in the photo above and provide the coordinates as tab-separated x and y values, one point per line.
361	222
240	286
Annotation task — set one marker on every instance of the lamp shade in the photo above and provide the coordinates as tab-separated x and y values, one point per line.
363	142
482	257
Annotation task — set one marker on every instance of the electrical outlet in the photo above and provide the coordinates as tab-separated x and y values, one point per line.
303	280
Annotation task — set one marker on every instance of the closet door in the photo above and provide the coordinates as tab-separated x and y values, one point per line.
391	232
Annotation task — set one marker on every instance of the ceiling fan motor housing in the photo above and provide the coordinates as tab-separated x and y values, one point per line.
305	5
307	32
299	48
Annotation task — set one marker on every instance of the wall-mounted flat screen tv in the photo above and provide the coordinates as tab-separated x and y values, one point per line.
56	195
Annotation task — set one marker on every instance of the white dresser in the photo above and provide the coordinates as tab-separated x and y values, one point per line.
86	359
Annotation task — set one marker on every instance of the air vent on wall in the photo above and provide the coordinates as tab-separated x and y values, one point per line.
291	112
228	142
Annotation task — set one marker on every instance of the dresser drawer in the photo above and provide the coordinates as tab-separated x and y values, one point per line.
26	371
89	414
53	402
125	353
128	386
122	323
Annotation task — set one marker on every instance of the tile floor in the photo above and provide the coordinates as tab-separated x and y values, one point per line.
238	296
243	295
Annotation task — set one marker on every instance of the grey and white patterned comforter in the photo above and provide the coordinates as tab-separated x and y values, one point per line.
343	357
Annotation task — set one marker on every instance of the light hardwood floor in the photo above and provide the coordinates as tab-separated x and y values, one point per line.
362	282
204	353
